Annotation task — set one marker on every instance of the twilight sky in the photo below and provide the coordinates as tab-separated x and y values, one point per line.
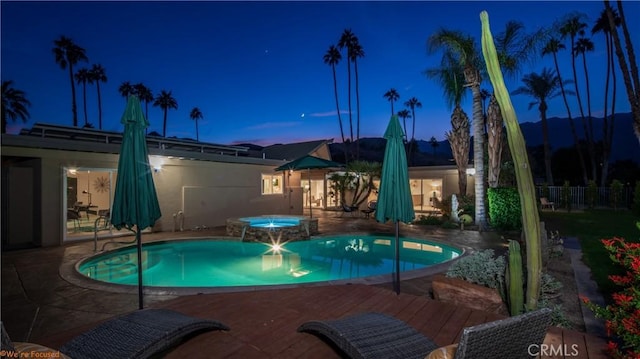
255	69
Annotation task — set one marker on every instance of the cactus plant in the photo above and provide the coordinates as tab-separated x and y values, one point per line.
514	279
526	189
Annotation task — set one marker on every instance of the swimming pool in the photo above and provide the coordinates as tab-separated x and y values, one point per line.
224	263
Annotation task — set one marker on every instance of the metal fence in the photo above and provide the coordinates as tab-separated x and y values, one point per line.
578	197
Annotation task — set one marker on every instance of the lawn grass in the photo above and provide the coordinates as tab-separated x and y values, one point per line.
590	226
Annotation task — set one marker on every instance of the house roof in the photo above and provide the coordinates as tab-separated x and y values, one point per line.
292	151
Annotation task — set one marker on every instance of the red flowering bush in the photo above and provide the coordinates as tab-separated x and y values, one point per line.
622	317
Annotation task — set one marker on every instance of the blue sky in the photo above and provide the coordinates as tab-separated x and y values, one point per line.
255	69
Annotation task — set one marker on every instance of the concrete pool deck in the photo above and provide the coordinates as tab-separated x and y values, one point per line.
38	302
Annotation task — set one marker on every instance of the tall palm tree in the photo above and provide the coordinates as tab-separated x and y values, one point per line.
126	90
552	47
542	87
82	77
450	76
98	74
602	25
404	115
582	46
67	55
515	48
629	72
392	96
357	52
14	104
346	42
412	104
145	95
332	57
196	115
166	102
462	49
571	27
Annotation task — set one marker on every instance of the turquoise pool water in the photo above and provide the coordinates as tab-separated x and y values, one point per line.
222	263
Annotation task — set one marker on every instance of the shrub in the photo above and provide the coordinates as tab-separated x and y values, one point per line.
615	195
481	268
636	199
429	220
565	196
504	208
622	316
592	191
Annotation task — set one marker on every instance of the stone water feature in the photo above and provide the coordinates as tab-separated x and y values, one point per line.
270	228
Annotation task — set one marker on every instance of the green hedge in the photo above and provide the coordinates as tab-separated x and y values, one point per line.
504	208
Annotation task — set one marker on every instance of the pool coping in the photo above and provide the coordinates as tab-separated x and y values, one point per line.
68	270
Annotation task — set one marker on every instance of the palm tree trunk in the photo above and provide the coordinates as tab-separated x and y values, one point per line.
99	105
355	67
84	103
572	125
606	144
74	109
545	141
589	130
164	124
633	96
478	153
197	137
494	142
335	92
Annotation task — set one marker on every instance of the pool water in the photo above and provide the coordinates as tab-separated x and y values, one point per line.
271	222
222	263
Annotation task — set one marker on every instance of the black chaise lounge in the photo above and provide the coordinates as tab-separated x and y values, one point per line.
139	334
376	335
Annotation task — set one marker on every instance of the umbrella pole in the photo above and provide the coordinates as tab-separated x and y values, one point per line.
139	240
396	281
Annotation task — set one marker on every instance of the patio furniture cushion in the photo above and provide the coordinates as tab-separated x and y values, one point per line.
139	334
376	335
446	352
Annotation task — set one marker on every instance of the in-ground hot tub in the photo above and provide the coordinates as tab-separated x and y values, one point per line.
272	228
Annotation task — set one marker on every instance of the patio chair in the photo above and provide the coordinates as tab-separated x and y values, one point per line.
376	335
73	215
544	202
371	207
348	209
140	334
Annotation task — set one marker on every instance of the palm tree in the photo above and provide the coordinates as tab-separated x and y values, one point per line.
392	96
98	74
404	115
450	76
332	58
552	47
357	52
165	101
413	103
82	77
144	94
126	90
462	48
434	145
582	46
602	25
542	87
629	75
196	115
14	104
346	42
67	55
571	27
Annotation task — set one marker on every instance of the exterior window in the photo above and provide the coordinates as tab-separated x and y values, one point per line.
272	184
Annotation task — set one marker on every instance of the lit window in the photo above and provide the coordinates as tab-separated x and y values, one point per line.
272	184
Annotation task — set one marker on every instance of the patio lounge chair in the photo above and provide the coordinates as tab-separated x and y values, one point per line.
544	202
140	334
376	335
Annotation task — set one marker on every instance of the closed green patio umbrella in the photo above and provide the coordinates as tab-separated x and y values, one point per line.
308	162
135	203
394	196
